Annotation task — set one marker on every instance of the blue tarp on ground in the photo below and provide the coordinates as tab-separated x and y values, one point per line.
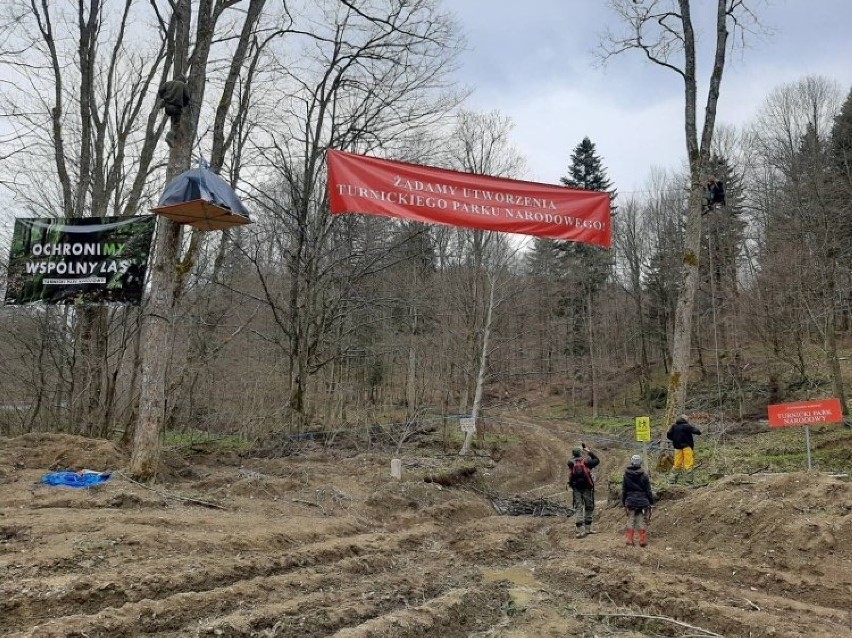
86	478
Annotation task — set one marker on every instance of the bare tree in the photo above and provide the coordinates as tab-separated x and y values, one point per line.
803	221
499	259
632	242
77	94
190	54
372	75
480	144
663	30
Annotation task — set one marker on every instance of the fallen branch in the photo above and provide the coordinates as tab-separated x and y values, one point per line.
755	607
176	497
707	632
317	505
298	500
517	506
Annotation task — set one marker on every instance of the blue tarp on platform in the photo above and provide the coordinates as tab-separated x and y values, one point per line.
202	183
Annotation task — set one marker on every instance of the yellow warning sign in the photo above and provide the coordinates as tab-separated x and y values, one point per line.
643	429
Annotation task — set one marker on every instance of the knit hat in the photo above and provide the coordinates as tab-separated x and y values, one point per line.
636	461
577	452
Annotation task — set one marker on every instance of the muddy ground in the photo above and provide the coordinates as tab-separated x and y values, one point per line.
326	543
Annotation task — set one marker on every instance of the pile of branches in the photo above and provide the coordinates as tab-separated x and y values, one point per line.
518	506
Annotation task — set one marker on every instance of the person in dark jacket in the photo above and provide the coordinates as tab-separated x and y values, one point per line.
174	98
680	434
637	499
715	194
583	488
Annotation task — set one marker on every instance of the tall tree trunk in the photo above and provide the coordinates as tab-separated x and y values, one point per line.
831	343
698	154
644	363
296	265
593	377
156	336
91	328
157	320
167	273
411	389
682	335
483	365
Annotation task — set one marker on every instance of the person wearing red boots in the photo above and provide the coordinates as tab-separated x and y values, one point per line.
637	499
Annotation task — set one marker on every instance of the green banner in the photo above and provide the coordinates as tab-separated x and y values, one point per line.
90	260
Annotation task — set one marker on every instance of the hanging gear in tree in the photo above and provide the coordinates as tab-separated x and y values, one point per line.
174	98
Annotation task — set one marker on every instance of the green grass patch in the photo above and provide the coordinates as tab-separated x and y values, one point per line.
609	425
778	450
781	450
210	442
483	440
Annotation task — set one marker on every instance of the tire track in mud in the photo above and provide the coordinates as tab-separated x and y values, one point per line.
26	602
690	590
735	596
421	561
390	609
452	614
794	585
319	601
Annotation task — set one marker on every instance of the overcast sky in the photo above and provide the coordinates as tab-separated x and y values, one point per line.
534	62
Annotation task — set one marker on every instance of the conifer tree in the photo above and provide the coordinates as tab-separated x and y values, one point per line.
841	157
587	171
585	267
841	163
841	141
723	238
589	265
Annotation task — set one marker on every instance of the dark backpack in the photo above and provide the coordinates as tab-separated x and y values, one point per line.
581	476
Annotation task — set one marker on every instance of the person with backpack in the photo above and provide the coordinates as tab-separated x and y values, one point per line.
174	97
637	499
680	434
582	485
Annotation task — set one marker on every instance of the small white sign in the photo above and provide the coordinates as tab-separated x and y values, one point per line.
467	424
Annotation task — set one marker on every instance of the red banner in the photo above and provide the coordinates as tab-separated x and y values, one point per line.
360	184
805	413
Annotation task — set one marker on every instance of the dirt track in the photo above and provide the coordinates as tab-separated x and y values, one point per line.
329	546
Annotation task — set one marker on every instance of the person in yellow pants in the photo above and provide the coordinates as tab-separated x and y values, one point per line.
681	435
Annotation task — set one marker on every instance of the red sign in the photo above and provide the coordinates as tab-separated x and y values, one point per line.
805	413
360	184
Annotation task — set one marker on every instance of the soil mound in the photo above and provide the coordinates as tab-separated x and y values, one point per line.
783	517
61	452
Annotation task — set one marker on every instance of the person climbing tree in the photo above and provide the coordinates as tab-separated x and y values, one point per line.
715	194
583	487
174	98
637	499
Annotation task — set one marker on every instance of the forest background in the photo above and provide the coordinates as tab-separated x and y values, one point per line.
303	323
